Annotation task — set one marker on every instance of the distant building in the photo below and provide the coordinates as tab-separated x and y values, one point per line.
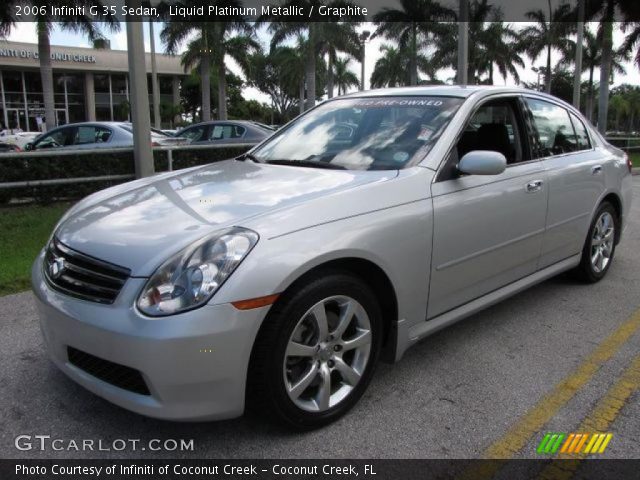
89	84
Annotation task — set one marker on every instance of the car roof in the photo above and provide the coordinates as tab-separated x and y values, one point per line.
436	90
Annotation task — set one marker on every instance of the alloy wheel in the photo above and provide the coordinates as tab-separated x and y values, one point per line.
602	240
327	353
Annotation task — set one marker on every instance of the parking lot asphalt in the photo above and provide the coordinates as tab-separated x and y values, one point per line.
559	357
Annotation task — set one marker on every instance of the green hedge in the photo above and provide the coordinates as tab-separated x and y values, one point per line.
28	167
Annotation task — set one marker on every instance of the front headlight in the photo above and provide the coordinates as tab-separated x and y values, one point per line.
190	278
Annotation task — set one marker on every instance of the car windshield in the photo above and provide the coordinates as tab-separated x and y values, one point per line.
381	133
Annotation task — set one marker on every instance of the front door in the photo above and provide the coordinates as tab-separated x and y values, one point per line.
488	229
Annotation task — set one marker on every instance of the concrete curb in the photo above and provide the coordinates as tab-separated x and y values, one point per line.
635	171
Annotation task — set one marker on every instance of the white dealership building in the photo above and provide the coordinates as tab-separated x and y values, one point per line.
89	84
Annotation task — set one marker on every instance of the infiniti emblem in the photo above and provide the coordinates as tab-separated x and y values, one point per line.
57	267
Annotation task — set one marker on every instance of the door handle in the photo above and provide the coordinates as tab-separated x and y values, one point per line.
596	170
534	186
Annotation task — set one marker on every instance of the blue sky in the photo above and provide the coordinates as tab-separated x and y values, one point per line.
25	32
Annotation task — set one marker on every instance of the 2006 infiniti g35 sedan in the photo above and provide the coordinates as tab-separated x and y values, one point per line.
278	279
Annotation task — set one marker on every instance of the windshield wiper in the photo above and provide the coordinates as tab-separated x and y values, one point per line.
307	163
249	156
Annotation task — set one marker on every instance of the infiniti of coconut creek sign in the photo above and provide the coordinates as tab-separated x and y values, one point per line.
55	56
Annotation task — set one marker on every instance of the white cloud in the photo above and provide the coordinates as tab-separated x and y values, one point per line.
23	32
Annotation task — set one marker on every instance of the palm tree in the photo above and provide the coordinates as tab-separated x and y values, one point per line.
592	59
343	38
502	50
214	40
344	77
491	43
392	69
7	21
278	73
605	10
237	47
318	30
632	40
415	19
547	33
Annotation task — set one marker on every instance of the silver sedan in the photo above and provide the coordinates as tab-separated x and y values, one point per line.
278	279
92	135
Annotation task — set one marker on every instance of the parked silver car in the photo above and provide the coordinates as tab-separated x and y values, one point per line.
222	132
278	279
91	135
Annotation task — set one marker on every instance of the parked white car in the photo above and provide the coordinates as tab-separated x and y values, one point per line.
17	137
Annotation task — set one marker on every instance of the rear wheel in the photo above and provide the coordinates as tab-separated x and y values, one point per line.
600	245
316	352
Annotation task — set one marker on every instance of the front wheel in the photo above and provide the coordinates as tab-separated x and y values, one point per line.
316	352
600	245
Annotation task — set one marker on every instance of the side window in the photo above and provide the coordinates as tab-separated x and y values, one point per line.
223	132
555	130
194	134
91	134
581	133
59	138
493	126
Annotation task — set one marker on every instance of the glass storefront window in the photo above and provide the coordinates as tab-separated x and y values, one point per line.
119	84
58	83
166	85
103	113
33	82
101	83
12	82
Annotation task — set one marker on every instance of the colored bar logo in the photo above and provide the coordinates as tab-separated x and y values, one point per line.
574	443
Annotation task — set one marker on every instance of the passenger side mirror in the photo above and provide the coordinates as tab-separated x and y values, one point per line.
482	162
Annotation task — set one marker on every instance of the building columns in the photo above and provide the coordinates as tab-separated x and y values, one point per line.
89	97
175	90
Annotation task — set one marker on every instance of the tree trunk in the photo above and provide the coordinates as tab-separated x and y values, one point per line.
414	54
491	73
301	100
311	70
46	73
330	74
605	70
205	81
547	86
589	106
222	90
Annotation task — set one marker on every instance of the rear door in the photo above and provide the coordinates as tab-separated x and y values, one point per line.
227	133
488	229
575	175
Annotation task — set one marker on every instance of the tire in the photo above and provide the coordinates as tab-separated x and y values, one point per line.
293	327
593	265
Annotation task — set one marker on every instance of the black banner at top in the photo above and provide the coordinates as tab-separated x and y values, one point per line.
306	11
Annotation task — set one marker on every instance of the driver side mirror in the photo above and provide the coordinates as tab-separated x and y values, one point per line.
29	146
482	162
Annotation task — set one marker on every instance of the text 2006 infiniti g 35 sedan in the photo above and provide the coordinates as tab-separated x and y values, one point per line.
278	279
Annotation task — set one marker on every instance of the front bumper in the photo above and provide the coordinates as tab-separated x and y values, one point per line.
194	363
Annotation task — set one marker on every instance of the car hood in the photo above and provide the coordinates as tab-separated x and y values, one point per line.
138	225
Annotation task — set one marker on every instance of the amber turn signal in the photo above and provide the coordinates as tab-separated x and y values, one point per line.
255	302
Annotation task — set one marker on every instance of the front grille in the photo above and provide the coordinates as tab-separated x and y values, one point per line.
79	275
118	375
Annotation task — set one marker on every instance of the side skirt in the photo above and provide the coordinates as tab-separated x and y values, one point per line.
409	336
